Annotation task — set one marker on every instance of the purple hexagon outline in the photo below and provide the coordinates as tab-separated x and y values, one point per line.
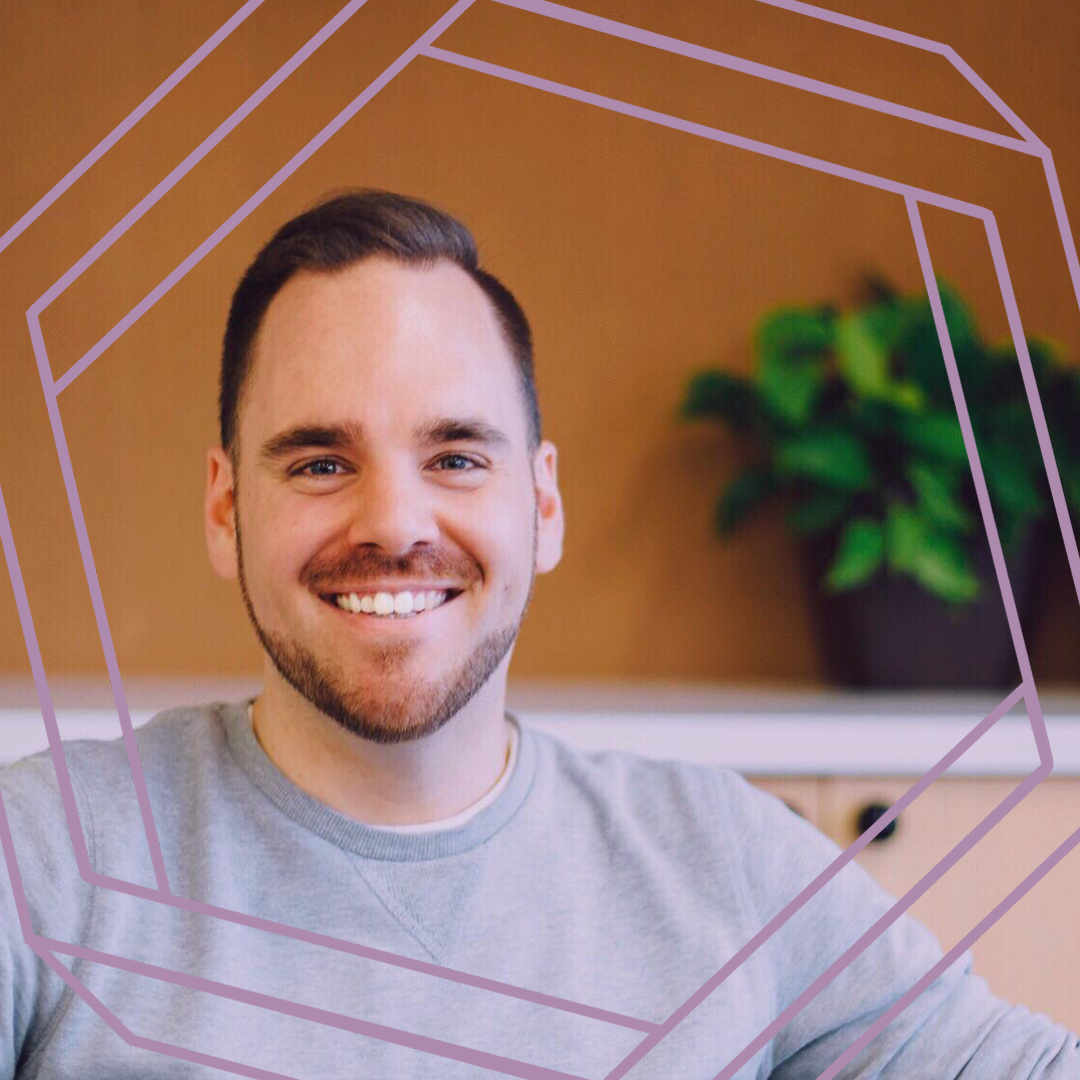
46	948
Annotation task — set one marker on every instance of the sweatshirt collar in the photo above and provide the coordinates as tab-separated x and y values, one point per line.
368	840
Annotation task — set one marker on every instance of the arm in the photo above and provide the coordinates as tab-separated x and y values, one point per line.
39	845
955	1028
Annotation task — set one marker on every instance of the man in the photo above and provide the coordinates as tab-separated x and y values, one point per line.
384	499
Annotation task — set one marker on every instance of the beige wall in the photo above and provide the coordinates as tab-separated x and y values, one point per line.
640	254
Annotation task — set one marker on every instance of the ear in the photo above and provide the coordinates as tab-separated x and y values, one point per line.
549	508
220	514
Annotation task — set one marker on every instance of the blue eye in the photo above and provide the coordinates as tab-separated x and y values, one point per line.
313	468
311	464
461	457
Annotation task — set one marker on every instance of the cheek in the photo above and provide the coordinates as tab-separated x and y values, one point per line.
280	544
498	542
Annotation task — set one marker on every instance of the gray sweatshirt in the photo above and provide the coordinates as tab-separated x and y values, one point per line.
616	885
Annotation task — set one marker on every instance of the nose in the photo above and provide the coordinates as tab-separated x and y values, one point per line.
392	509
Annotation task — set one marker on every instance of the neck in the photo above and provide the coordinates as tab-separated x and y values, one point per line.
408	783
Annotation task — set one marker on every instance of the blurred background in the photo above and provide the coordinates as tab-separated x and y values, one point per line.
766	512
641	255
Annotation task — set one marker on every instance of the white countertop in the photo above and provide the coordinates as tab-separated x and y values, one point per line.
774	731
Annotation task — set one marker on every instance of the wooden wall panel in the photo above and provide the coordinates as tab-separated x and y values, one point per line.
641	254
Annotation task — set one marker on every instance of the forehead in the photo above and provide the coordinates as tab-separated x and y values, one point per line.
384	341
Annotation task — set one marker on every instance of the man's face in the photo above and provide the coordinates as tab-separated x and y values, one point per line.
381	351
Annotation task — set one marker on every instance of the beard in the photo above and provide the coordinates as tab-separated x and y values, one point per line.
414	708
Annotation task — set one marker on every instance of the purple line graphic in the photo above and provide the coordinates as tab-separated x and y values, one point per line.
1027	143
128	123
177	174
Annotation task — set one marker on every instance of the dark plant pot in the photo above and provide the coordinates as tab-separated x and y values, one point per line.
892	633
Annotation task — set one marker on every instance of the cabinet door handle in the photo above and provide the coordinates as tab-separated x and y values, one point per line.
869	814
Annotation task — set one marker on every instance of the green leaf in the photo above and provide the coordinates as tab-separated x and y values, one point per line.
907	395
937	489
905	534
1010	479
941	565
976	370
742	496
794	331
958	317
885	321
936	434
790	344
1044	354
834	456
875	420
862	358
720	395
790	387
818	510
879	286
935	560
863	343
860	553
920	346
1008	420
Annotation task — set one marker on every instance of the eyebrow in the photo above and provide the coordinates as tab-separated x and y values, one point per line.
341	436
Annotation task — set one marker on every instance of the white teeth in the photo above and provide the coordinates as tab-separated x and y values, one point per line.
388	604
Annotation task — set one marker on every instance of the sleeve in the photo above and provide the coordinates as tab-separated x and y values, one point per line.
954	1028
38	845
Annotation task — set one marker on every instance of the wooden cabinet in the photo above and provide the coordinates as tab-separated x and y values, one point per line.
1031	955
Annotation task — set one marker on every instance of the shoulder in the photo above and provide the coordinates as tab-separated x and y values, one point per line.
172	743
699	811
177	749
694	807
42	892
36	811
669	786
183	756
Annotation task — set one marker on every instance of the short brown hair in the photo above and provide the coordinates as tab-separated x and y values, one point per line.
343	229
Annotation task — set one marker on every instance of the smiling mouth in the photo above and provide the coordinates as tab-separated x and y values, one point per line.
331	600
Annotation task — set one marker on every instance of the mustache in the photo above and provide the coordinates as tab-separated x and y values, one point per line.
374	567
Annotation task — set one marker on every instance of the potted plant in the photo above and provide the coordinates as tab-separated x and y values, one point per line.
849	419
